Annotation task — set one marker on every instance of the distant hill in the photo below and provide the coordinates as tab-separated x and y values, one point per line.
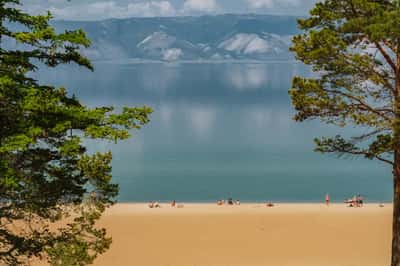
221	37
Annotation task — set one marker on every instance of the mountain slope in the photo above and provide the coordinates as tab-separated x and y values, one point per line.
256	37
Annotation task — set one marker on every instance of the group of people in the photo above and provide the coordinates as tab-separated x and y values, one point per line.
155	204
230	201
355	201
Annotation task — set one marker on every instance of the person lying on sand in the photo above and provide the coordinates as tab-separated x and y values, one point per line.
220	203
353	202
350	202
151	205
270	204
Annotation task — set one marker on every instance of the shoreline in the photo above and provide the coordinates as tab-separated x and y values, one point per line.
253	202
132	209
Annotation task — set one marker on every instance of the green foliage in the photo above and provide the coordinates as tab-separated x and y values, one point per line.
353	46
52	191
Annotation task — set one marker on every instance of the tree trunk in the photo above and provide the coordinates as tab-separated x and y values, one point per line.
396	168
396	211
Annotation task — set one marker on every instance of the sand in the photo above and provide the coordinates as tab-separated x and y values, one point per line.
248	235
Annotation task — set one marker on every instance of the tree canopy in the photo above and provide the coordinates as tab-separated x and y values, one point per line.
353	46
52	190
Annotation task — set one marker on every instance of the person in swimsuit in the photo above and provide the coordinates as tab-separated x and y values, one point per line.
360	200
355	201
327	199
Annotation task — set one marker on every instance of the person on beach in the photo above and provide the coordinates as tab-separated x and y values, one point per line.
151	205
230	201
327	199
219	203
350	202
360	200
237	202
354	201
173	204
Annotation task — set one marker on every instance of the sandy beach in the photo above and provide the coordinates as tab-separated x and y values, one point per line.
248	235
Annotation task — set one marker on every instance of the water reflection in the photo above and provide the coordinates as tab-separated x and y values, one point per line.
157	82
218	130
201	120
242	77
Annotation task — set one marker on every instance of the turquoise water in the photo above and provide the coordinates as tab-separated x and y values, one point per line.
219	130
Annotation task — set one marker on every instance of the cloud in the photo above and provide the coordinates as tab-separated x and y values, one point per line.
200	5
269	4
256	4
104	9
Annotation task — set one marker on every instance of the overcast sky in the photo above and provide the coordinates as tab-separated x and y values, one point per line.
102	9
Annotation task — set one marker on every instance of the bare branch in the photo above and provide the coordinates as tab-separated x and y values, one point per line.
361	152
386	56
384	160
341	146
364	105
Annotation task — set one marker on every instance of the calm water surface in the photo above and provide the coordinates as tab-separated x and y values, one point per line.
219	130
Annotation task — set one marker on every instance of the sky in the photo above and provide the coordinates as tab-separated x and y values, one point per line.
104	9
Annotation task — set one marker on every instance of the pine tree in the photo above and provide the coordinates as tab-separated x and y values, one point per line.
52	191
354	48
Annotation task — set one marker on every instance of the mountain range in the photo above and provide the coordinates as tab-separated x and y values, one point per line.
220	37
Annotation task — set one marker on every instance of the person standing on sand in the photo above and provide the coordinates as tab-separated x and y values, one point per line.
360	200
327	199
355	201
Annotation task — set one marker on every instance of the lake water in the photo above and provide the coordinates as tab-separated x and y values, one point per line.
219	130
